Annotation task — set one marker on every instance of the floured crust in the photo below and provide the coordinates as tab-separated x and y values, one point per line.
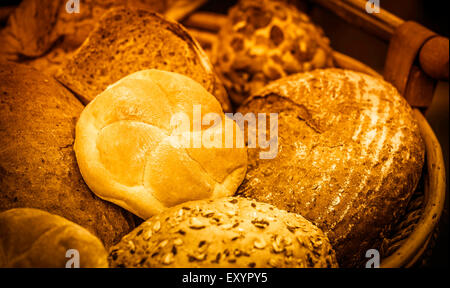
125	150
126	41
266	40
227	232
350	155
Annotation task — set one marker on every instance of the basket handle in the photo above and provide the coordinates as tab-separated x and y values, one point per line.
417	57
415	61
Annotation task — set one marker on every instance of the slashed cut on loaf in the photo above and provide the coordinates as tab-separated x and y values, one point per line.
126	41
129	152
232	232
350	155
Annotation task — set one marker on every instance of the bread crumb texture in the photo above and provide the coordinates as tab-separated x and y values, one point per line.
225	232
129	40
350	155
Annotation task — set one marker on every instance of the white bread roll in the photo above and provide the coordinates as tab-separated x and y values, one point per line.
127	155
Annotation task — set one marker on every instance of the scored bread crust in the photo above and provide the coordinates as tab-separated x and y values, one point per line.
38	168
350	155
129	40
224	233
125	150
34	238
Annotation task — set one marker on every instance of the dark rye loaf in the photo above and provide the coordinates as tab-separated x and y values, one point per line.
350	155
38	168
129	40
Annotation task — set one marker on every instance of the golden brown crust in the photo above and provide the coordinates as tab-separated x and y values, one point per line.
226	232
129	153
350	155
34	238
38	168
127	41
266	40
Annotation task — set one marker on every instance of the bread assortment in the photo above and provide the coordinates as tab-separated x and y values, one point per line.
266	40
92	157
130	153
38	168
227	232
348	162
33	238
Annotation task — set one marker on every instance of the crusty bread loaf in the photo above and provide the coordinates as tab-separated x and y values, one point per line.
350	155
130	153
127	41
32	238
265	40
43	34
226	232
38	168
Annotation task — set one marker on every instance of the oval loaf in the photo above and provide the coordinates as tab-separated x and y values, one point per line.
350	155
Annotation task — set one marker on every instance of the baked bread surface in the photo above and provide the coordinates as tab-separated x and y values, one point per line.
38	168
224	233
126	41
128	151
32	238
266	40
350	155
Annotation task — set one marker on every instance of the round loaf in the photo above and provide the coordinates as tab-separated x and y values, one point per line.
227	232
32	238
38	168
265	40
129	152
349	155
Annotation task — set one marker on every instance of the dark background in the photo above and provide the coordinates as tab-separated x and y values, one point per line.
372	51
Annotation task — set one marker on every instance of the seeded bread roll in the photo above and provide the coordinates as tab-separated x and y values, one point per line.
349	155
266	40
126	41
226	233
131	152
38	168
32	238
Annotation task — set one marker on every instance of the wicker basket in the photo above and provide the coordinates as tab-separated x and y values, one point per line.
410	236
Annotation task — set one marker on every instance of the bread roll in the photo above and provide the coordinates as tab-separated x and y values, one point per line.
38	168
350	155
127	41
128	151
265	40
31	238
224	233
